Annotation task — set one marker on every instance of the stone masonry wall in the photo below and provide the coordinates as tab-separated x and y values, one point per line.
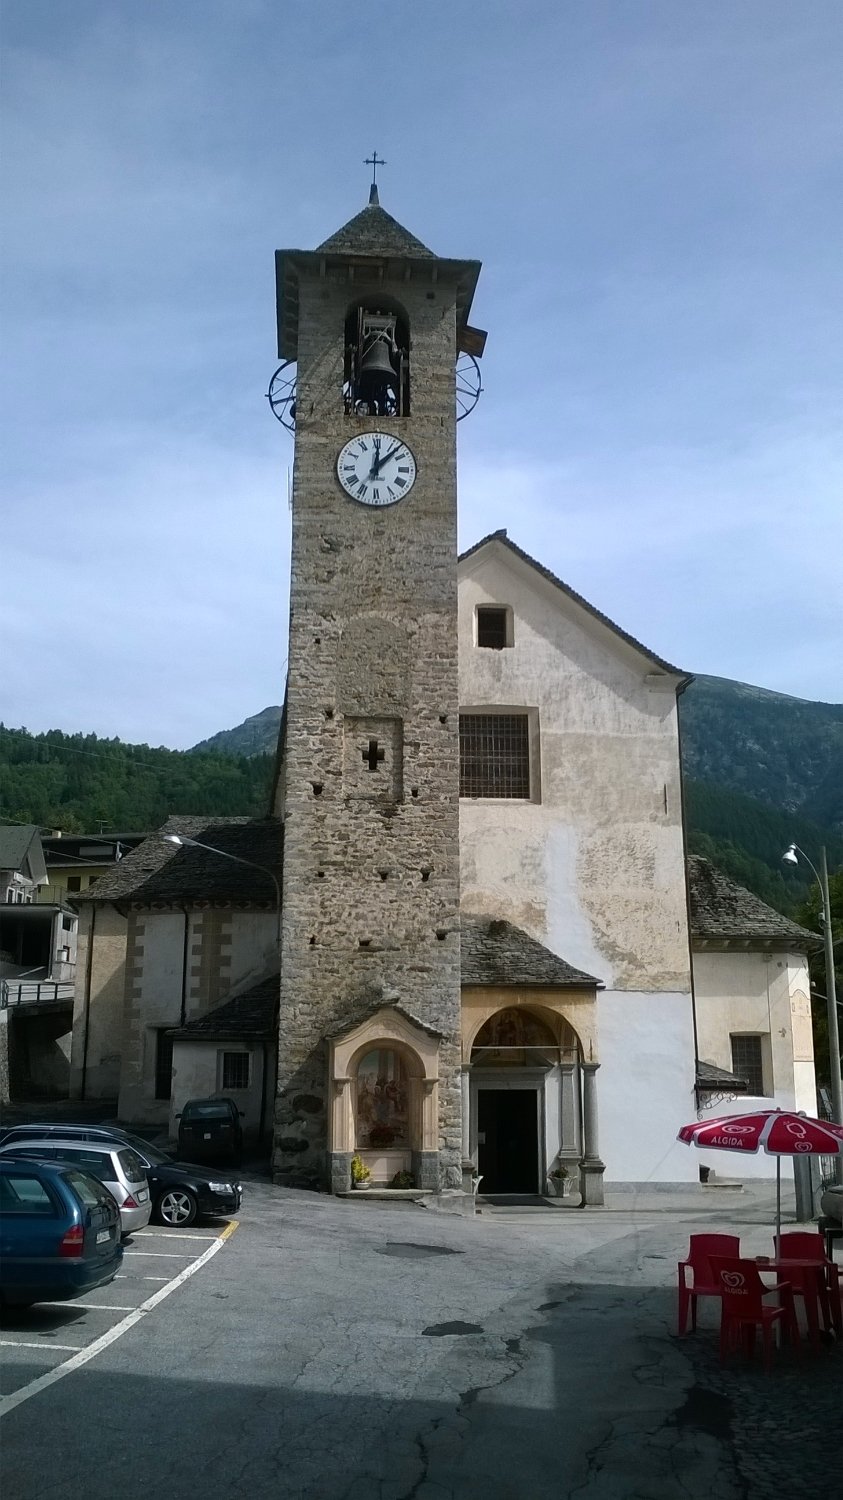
371	862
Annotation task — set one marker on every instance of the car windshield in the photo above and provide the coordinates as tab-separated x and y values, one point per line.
133	1168
209	1111
88	1190
152	1154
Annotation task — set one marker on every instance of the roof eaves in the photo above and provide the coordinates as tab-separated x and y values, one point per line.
502	538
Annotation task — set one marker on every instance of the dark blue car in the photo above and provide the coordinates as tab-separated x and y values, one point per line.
59	1233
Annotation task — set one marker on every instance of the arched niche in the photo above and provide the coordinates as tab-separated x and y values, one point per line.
388	1044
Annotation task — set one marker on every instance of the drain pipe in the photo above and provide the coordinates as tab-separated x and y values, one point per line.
89	980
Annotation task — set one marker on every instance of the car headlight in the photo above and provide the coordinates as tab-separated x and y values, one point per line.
220	1187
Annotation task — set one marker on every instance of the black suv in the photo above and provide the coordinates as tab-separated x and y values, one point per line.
211	1128
181	1193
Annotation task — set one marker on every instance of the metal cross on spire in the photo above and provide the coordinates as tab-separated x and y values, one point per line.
374	161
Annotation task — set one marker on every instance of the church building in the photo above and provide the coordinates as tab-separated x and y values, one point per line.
496	959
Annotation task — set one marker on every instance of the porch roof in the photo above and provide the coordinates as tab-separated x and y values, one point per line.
496	952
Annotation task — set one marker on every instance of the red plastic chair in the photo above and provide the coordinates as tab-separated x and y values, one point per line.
808	1244
742	1307
701	1247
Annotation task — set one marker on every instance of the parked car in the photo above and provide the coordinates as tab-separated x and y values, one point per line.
211	1128
59	1232
116	1166
181	1192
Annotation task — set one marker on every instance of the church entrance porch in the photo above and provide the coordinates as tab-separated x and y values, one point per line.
508	1158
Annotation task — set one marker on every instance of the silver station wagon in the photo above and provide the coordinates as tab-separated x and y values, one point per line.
117	1167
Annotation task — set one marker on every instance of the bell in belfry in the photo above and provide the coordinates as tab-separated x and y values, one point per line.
377	379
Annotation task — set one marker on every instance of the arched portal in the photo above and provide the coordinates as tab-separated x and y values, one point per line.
525	1115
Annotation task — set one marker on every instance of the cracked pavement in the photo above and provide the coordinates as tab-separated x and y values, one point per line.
336	1351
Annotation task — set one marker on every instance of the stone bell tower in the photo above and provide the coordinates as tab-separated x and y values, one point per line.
369	781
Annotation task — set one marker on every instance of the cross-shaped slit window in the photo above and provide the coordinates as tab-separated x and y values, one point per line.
373	755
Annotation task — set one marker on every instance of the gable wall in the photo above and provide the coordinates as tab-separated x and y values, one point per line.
595	868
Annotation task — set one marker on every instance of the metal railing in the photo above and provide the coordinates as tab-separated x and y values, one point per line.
35	992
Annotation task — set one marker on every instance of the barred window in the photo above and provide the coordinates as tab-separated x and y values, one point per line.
235	1070
747	1061
494	755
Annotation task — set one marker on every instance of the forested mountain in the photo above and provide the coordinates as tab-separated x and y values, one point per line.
79	783
785	752
762	769
257	735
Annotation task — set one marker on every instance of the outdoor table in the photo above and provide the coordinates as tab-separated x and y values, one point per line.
826	1286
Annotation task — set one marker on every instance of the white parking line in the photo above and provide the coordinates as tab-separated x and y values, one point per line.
22	1344
170	1234
81	1357
159	1254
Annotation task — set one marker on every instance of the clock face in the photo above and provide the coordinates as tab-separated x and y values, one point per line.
376	468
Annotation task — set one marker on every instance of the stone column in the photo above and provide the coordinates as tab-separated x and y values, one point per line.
568	1111
591	1167
467	1163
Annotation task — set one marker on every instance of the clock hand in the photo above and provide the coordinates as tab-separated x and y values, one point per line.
387	456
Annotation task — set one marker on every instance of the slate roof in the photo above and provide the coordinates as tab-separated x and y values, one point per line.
722	909
495	952
709	1076
253	1014
16	840
501	536
160	874
374	232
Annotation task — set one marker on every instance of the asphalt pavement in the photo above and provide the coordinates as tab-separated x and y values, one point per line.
336	1350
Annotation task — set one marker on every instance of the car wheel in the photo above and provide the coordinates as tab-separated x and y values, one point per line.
177	1207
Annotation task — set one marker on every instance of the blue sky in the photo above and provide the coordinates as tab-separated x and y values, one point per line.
654	187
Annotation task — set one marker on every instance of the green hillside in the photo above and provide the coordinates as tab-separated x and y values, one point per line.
785	752
79	783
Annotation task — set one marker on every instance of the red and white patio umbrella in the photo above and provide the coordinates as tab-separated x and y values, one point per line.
780	1132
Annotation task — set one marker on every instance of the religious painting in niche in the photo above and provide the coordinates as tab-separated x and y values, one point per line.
382	1101
513	1037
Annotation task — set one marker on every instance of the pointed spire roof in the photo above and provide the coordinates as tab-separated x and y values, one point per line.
374	232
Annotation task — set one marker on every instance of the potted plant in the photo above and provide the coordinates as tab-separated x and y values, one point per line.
559	1181
360	1173
403	1180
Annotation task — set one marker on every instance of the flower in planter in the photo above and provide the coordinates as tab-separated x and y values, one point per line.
359	1171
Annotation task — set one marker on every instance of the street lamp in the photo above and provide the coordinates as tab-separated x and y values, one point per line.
790	857
180	839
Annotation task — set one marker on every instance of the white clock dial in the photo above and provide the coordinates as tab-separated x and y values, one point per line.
376	468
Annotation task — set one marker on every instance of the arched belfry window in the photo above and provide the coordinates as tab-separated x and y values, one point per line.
376	376
383	1100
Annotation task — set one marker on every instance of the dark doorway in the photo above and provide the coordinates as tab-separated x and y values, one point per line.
508	1140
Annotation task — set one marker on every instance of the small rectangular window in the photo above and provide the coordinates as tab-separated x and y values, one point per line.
163	1065
493	627
494	755
74	882
235	1070
747	1061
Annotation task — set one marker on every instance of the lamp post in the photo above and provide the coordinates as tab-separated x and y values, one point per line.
179	839
791	857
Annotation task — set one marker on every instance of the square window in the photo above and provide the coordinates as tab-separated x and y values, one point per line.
235	1070
747	1061
494	626
494	755
74	882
